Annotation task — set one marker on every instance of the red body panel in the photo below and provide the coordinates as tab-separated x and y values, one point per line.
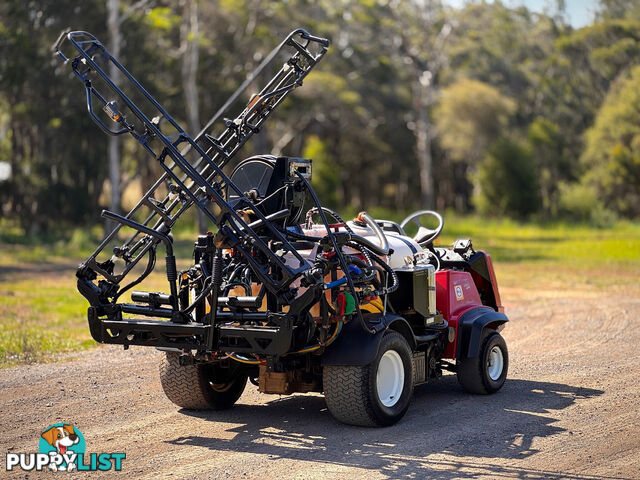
494	283
456	294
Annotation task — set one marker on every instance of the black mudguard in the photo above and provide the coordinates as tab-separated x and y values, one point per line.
470	328
357	347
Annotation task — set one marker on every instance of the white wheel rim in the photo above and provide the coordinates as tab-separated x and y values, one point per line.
496	363
390	378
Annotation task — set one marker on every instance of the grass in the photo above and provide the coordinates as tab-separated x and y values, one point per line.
530	255
559	255
42	315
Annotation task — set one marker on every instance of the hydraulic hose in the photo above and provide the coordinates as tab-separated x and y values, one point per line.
240	359
336	247
150	266
383	249
365	242
308	349
352	236
330	340
394	277
333	213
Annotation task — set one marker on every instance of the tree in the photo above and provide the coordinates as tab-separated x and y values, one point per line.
470	117
614	9
423	29
115	18
612	153
580	72
411	97
547	145
507	181
326	175
56	154
189	52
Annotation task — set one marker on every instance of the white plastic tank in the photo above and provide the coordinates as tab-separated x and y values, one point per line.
403	248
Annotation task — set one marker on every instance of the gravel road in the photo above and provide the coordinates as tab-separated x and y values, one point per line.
569	410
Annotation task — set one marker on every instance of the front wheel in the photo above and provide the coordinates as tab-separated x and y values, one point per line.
373	395
486	372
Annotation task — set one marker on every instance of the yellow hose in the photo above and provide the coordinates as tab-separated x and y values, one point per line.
330	340
304	350
244	360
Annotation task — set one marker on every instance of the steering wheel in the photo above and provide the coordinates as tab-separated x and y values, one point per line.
425	236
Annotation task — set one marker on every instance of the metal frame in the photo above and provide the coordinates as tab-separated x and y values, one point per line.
192	182
200	182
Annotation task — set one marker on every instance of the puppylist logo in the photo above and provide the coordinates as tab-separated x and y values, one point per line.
62	448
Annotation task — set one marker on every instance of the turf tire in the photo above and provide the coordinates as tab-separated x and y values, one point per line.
200	386
351	392
473	373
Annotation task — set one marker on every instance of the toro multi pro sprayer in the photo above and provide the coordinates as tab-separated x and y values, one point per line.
293	300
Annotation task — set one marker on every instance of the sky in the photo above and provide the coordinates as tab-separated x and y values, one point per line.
578	12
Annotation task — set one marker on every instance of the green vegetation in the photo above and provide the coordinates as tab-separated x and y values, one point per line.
43	315
420	102
612	154
470	117
41	312
556	244
508	181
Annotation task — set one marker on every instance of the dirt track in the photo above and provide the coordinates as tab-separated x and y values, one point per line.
569	410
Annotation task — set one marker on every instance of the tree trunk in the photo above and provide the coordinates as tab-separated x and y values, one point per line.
422	133
189	31
115	41
402	190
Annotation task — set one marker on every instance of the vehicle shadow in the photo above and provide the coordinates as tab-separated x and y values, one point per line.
442	420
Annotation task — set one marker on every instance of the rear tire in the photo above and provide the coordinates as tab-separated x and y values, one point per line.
373	395
201	386
486	372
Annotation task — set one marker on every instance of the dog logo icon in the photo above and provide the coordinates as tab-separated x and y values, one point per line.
61	437
63	440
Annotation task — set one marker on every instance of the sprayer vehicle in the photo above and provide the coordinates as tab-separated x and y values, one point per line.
282	292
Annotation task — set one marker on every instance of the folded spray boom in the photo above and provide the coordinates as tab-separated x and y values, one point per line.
193	166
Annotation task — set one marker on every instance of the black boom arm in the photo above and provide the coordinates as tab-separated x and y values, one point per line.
193	167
